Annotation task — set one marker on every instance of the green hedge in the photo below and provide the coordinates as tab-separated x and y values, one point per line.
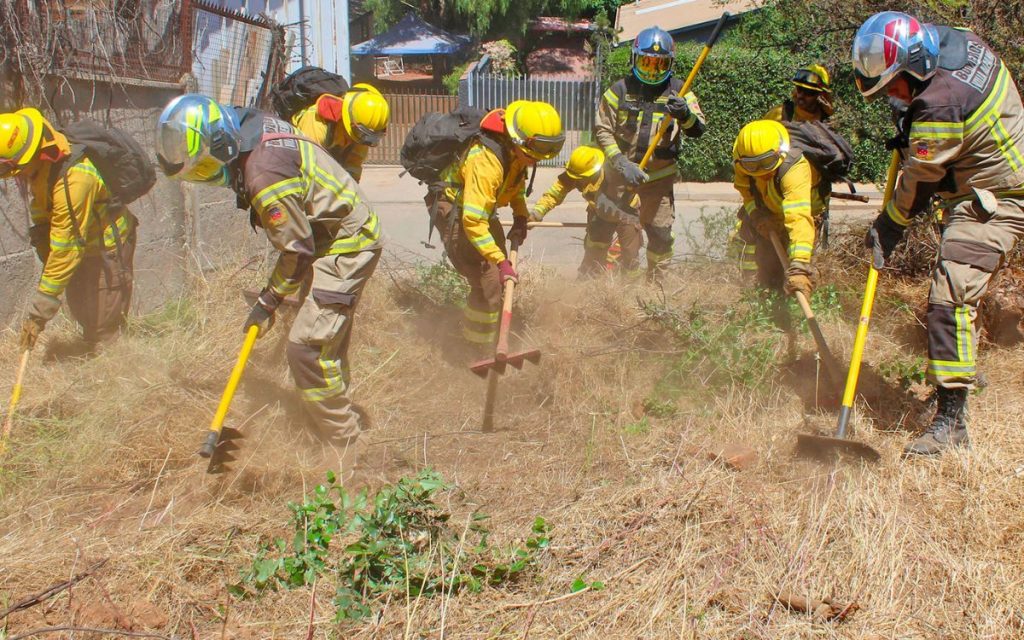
737	85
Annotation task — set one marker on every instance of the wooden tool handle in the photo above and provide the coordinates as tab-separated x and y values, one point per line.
15	396
501	351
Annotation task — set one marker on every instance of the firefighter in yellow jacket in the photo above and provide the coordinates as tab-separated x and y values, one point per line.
312	212
492	173
585	171
811	100
347	126
962	140
84	238
780	195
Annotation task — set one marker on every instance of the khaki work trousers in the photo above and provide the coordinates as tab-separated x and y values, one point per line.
483	305
974	246
657	215
319	339
99	295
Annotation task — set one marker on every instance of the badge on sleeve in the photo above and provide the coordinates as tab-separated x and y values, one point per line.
923	151
276	216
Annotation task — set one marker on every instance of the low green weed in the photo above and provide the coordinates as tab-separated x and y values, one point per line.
442	284
398	542
905	371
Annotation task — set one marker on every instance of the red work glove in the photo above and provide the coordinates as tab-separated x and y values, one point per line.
507	272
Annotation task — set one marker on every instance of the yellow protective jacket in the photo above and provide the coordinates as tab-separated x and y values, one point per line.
74	215
562	187
332	136
790	194
308	208
478	184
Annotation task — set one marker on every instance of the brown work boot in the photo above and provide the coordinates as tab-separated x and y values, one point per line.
948	428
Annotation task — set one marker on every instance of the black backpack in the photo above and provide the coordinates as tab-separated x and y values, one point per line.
828	151
437	140
302	87
126	169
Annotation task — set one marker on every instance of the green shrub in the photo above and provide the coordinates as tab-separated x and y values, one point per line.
738	84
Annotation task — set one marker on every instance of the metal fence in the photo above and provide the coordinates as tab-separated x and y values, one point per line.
406	109
575	100
237	57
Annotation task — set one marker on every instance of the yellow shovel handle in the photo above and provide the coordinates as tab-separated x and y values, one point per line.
229	392
15	397
865	311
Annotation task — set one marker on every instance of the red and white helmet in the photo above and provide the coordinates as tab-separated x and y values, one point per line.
889	43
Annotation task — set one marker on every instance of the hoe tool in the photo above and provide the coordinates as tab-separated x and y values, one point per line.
823	446
220	440
492	368
549	224
15	396
832	369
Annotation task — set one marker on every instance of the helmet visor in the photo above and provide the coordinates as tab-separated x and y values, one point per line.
877	58
543	147
367	136
761	163
652	68
808	80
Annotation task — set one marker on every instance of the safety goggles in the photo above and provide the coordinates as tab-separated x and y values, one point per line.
367	136
653	67
810	80
543	147
762	163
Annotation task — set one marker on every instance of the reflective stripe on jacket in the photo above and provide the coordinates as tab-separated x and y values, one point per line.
629	114
478	185
791	194
306	204
965	130
562	187
97	225
333	137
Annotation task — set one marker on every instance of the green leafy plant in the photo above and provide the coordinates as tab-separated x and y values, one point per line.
397	542
637	428
660	407
905	371
581	583
442	284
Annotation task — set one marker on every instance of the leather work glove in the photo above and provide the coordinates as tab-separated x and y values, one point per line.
630	171
766	223
799	278
517	234
262	313
535	216
30	330
507	272
42	307
882	238
678	108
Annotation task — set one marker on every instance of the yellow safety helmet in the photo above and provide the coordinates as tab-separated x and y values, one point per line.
813	77
584	162
21	133
535	127
365	114
760	147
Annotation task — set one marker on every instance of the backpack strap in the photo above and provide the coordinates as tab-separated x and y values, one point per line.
788	110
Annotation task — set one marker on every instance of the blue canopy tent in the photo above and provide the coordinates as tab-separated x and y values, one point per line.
412	36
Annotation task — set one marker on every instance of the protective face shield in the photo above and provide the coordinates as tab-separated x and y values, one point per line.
197	139
888	44
365	114
653	54
760	147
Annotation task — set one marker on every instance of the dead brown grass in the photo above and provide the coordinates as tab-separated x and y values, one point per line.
103	465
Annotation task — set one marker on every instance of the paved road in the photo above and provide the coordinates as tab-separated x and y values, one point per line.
399	202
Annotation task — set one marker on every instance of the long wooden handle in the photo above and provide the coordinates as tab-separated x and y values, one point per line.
663	128
865	314
15	397
856	197
546	224
229	392
832	368
505	325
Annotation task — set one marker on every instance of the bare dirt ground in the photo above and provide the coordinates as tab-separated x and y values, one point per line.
615	452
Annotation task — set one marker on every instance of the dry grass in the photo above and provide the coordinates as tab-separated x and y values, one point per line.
103	465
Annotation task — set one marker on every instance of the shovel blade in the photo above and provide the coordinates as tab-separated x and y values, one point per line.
827	448
516	360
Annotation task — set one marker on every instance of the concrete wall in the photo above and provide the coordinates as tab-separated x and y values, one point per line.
182	228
